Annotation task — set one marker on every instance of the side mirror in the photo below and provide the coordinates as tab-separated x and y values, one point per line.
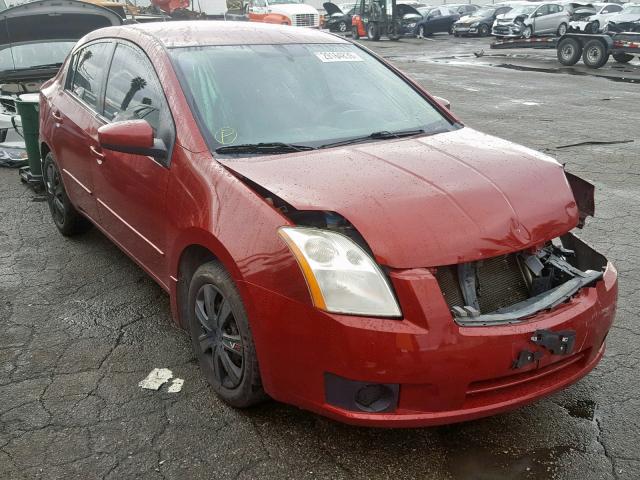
132	136
443	101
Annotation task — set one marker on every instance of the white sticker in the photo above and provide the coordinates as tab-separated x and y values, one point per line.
328	57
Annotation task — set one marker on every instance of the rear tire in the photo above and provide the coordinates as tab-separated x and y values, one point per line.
569	51
622	57
373	32
67	219
595	54
221	337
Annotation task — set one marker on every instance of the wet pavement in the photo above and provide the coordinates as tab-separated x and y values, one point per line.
81	325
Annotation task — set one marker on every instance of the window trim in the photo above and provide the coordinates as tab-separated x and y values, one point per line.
104	120
69	78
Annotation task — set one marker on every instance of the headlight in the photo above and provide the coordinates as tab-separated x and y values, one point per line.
341	276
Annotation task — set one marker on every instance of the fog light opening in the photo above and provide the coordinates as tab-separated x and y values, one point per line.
374	398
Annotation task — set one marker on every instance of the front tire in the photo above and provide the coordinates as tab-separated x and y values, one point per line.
595	27
67	219
221	337
342	27
373	32
562	29
569	51
354	33
595	54
484	30
527	32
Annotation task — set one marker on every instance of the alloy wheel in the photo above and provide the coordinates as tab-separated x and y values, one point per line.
55	190
220	341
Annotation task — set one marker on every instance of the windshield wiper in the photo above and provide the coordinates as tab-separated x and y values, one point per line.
382	135
270	147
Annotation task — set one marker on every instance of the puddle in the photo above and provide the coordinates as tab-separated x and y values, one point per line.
565	70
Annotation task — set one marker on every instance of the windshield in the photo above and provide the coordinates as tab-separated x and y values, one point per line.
523	10
634	10
484	12
30	55
306	94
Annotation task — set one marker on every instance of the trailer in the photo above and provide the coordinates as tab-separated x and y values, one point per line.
595	49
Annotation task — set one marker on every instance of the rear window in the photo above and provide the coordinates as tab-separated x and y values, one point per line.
304	94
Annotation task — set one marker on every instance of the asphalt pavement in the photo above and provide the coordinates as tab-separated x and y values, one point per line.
81	324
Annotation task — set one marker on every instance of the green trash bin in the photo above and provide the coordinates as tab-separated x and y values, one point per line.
28	107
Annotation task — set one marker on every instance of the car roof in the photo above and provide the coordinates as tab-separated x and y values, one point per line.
212	32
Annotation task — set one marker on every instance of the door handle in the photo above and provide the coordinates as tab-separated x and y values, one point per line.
56	116
99	156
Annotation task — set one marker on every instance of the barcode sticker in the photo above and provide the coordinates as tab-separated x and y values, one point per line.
328	57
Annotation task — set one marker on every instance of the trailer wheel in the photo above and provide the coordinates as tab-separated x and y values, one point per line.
373	32
354	33
622	57
569	51
595	54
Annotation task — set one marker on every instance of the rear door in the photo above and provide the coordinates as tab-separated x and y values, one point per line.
131	188
75	110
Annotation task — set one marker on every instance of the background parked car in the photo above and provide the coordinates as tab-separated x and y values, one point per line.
479	22
409	18
535	19
338	17
591	18
629	13
435	20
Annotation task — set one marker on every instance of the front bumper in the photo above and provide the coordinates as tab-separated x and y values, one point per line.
445	373
508	31
465	29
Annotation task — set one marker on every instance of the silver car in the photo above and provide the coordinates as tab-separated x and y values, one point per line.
533	19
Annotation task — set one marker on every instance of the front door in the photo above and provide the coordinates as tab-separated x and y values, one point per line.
131	188
80	102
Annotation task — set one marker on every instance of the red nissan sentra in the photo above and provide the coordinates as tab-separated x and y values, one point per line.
329	233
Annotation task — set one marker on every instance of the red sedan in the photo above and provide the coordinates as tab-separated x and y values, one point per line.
330	235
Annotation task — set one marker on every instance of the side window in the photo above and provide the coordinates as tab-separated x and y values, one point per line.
543	10
88	72
133	91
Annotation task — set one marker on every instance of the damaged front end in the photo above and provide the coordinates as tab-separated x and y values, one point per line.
513	287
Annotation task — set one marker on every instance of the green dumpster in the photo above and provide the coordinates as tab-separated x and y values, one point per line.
28	108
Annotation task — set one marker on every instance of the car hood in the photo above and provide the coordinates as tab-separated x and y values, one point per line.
403	10
448	198
470	19
53	20
332	8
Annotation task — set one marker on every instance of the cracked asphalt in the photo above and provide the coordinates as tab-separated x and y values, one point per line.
81	324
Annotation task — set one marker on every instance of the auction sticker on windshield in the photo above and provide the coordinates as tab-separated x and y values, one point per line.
328	57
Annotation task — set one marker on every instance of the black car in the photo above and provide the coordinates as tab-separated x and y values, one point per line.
336	20
435	20
479	22
463	8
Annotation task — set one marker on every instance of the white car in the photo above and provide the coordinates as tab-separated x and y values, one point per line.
629	13
592	17
528	20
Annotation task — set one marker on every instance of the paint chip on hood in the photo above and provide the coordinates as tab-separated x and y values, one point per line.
156	378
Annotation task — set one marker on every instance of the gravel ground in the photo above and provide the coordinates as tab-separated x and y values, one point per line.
81	325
